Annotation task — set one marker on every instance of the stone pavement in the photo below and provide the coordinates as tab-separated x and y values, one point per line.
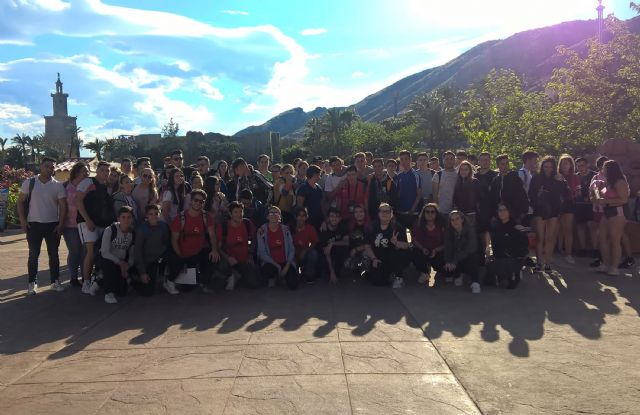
557	344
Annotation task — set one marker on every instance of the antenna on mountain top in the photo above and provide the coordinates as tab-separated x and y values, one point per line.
600	9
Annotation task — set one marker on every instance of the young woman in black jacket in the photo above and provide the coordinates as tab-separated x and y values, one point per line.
460	251
509	248
546	194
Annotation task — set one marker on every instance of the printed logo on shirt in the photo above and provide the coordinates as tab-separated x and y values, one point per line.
381	241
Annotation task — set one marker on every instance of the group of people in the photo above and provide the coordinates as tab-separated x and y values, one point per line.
219	227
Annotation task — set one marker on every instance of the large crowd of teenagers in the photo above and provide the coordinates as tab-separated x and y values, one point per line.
218	227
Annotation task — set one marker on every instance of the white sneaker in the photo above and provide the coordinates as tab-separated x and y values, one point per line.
93	288
603	268
475	288
57	286
231	283
170	286
110	298
458	281
86	286
570	260
423	278
614	272
398	282
33	288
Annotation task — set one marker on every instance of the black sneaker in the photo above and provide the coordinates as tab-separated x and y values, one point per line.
628	262
75	283
547	268
596	263
529	262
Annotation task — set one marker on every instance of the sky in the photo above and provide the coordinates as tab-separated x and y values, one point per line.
222	65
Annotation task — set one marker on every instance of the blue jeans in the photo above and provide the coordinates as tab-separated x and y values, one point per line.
35	234
75	256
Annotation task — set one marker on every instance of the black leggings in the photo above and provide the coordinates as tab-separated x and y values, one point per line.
270	272
468	266
199	260
112	280
393	262
422	262
154	270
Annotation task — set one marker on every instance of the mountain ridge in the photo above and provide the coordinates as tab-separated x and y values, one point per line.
532	54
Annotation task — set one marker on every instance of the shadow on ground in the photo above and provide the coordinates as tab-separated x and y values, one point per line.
67	323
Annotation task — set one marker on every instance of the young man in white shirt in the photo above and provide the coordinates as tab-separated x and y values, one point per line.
41	208
444	183
333	183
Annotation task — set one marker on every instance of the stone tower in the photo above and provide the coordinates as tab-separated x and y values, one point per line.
59	128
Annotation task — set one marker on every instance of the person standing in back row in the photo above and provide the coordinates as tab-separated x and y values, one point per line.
444	183
41	209
409	192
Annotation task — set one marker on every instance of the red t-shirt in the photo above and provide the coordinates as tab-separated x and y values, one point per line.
306	237
237	243
430	239
352	194
276	245
193	239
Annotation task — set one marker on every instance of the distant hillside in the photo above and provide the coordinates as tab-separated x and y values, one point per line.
531	54
286	123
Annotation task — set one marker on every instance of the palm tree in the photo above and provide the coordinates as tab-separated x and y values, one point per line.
76	142
3	143
97	147
37	143
22	141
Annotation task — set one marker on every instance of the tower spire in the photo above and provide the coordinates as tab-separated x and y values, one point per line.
58	85
600	10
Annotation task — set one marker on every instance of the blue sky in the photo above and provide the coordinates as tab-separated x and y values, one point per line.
220	66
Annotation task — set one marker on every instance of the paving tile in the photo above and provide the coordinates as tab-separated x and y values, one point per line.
187	396
322	394
89	366
189	363
392	357
402	394
178	336
14	366
54	398
292	359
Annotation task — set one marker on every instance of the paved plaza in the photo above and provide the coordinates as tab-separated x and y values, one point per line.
557	344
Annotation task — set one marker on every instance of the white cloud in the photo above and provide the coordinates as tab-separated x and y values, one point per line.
314	32
12	111
357	74
203	85
235	12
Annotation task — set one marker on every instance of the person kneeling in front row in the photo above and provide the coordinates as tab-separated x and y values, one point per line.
194	243
510	247
388	249
460	248
153	241
236	238
276	251
116	257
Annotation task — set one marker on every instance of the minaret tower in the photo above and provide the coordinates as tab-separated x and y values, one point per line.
59	128
600	10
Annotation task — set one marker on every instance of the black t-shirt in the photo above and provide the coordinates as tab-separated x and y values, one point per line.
380	240
313	202
358	235
585	182
336	235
